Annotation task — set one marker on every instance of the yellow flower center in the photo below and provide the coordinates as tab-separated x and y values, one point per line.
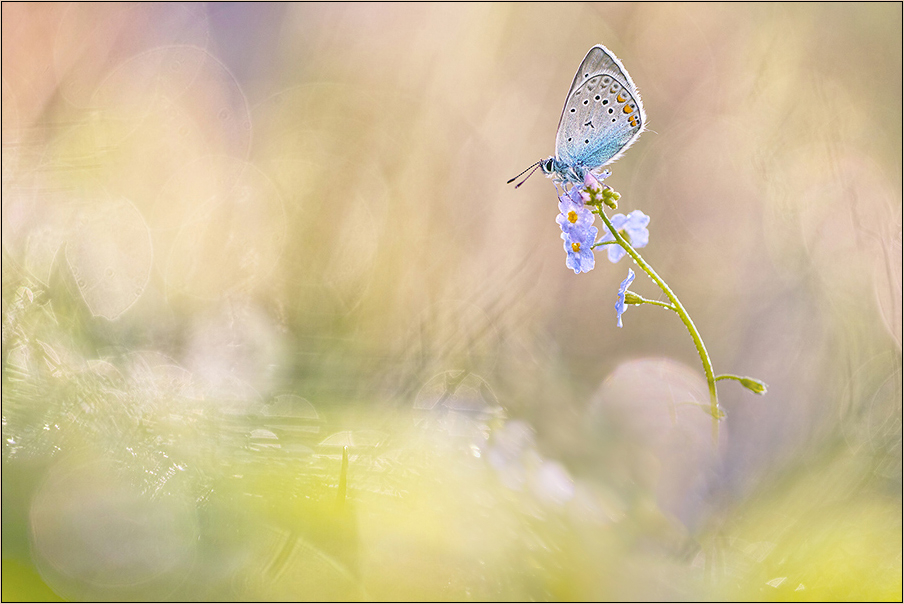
572	216
576	247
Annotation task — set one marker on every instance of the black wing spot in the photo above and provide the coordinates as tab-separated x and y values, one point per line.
610	109
597	97
613	120
573	109
605	101
586	101
586	141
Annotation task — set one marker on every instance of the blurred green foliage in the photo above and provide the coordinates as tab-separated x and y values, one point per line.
21	583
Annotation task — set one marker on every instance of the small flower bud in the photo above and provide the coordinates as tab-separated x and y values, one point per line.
610	197
590	182
632	298
755	386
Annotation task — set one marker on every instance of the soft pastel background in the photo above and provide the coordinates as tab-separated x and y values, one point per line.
238	238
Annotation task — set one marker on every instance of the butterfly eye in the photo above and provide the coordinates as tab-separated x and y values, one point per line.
548	166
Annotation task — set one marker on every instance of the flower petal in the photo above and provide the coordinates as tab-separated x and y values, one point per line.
620	306
616	252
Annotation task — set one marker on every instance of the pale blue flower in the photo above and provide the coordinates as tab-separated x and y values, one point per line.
620	306
579	249
632	227
574	217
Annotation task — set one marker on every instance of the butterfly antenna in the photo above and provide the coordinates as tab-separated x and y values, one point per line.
534	166
529	175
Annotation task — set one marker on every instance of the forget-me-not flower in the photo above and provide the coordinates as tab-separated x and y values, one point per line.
632	227
574	217
620	306
579	249
576	222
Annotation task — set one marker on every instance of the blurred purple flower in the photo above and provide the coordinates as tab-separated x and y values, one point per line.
620	306
632	227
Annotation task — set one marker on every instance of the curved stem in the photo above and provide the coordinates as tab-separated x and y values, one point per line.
685	318
662	304
731	376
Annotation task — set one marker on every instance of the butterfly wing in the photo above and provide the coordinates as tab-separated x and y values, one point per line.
600	59
603	113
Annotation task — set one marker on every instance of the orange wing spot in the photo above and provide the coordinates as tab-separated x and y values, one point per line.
628	109
621	99
633	121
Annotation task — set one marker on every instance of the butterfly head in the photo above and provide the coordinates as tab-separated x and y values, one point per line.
562	172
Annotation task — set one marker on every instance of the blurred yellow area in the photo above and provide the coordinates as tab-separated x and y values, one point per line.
242	240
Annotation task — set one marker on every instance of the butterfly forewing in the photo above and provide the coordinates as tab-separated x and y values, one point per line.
603	114
600	60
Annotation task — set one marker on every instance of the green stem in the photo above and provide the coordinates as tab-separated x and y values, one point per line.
754	385
658	303
731	376
603	243
685	318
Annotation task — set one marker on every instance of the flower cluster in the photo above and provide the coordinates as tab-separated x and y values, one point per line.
576	221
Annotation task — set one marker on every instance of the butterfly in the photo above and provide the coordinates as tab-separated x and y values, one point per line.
602	117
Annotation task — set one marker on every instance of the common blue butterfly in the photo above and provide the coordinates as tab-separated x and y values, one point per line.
602	117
